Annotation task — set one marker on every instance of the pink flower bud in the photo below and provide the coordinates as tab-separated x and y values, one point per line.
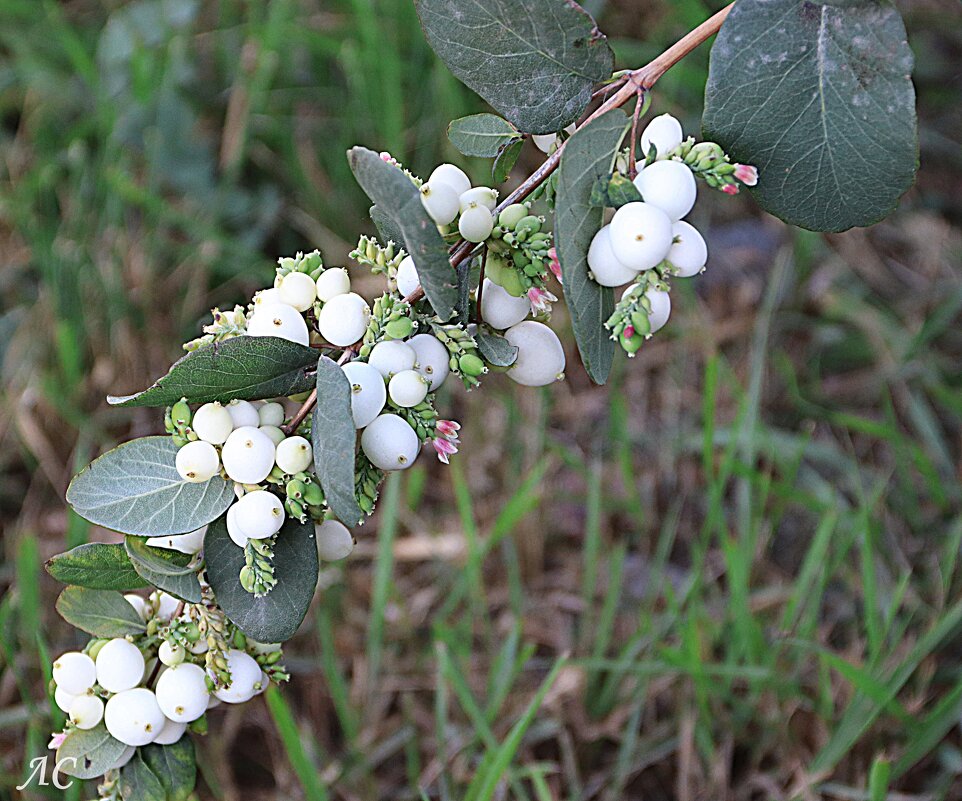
56	740
385	156
730	189
448	428
554	265
444	449
747	174
629	331
540	299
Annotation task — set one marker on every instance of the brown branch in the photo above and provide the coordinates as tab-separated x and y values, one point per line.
311	401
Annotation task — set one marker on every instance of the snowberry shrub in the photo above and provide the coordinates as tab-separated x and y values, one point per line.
283	417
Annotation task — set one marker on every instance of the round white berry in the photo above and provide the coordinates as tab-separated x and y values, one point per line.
197	462
499	308
640	235
138	603
664	132
234	531
182	692
266	297
279	320
390	443
86	711
133	716
63	699
271	414
189	543
334	541
248	455
433	359
660	308
407	277
688	253
171	654
604	265
120	665
368	393
212	423
74	672
541	358
408	388
243	413
259	514
332	282
343	319
440	201
669	185
476	223
165	603
392	356
451	175
545	142
171	733
245	675
294	455
480	195
297	290
274	434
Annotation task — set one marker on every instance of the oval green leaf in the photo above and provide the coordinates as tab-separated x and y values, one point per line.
249	368
136	489
89	753
138	781
96	565
167	570
495	348
483	135
175	765
102	613
819	97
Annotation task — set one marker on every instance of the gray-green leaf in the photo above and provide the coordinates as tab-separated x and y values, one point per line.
175	766
819	97
102	613
276	616
483	135
249	368
165	569
136	489
588	156
89	753
505	161
495	348
398	199
138	781
536	63
96	565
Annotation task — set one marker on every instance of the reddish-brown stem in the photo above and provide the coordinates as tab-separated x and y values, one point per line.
632	150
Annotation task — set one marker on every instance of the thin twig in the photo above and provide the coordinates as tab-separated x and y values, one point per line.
311	401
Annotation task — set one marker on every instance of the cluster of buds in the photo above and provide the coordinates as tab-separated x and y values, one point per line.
708	161
367	483
311	264
465	359
226	324
423	417
379	259
390	319
642	310
257	574
519	251
304	498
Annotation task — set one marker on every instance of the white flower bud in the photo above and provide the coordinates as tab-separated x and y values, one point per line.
334	541
271	414
86	711
279	320
138	603
166	604
688	253
433	359
182	692
243	413
660	308
63	699
451	175
664	132
440	201
189	543
408	388
481	196
259	514
120	665
368	393
668	185
273	433
392	356
604	265
248	455
476	223
245	674
407	277
545	142
171	733
171	655
133	716
237	536
297	290
74	672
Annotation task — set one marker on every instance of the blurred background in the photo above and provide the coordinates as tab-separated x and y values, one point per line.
746	546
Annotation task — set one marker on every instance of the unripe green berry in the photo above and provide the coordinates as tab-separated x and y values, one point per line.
401	328
512	215
471	365
180	413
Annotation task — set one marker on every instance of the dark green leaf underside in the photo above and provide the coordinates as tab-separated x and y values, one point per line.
96	565
138	781
175	766
102	613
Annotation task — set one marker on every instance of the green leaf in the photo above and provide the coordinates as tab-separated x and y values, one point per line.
614	191
102	613
386	228
249	368
136	489
587	156
483	135
819	97
495	348
333	438
167	570
96	565
138	781
536	63
398	199
89	753
276	616
507	158
175	765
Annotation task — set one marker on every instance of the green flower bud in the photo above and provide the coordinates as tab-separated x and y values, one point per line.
512	215
528	225
641	323
471	365
631	345
295	489
180	413
400	328
94	646
192	632
199	726
313	495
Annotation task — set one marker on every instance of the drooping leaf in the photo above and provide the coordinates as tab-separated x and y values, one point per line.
333	438
89	753
175	766
536	63
614	191
505	161
167	570
102	613
249	368
138	781
276	616
398	199
136	489
819	97
96	565
495	348
386	228
588	156
483	135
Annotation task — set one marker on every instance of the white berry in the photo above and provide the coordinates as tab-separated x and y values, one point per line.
688	253
171	733
171	654
279	320
392	356
603	263
407	277
640	235
245	675
182	692
165	603
334	540
294	455
368	393
266	297
259	514
212	423
480	195
86	711
298	290
541	358
669	185
440	201
408	388
390	443
343	319
138	603
274	434
133	716
433	359
197	462
243	413
120	665
545	142
271	414
660	308
332	282
248	455
74	672
499	308
664	132
63	699
234	531
476	223
451	175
